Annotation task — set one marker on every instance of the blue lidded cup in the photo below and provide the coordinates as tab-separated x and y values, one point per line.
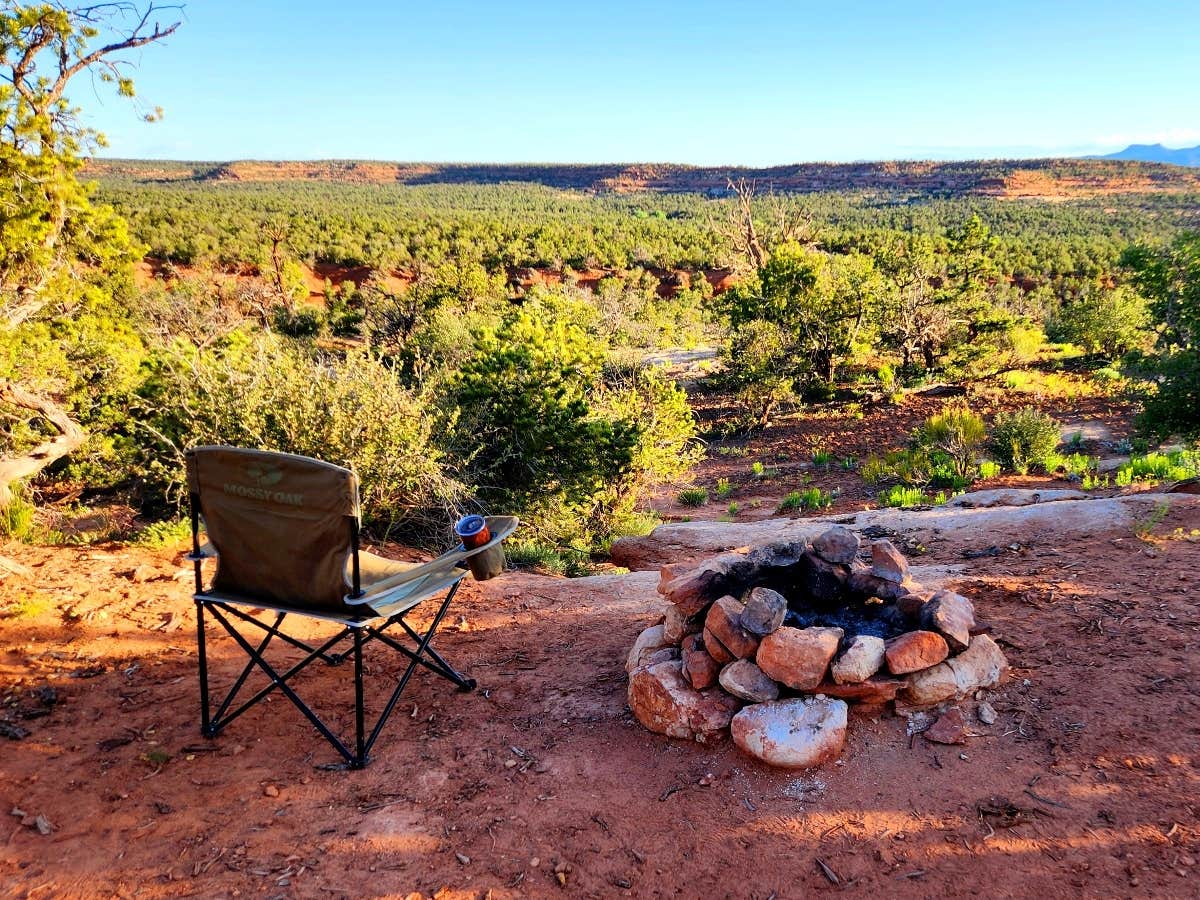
472	531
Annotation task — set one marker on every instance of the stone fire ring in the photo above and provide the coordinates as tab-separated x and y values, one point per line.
772	644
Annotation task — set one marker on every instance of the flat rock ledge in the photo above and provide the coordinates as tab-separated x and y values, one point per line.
979	519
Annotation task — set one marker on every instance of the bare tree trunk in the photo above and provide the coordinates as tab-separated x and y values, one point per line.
70	436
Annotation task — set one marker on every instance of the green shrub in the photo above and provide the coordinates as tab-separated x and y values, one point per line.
899	496
724	489
1023	439
696	496
1174	466
812	498
265	392
957	433
989	469
17	517
822	459
733	508
167	533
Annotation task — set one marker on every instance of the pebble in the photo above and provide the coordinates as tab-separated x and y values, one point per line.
270	791
986	713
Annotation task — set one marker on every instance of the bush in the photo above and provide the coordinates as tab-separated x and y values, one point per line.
265	392
898	495
1024	439
956	432
697	496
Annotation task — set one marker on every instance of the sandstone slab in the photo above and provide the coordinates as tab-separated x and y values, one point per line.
798	657
747	681
799	733
665	703
914	651
861	659
875	690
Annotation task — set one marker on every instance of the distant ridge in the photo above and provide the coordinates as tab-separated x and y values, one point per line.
1044	179
1156	153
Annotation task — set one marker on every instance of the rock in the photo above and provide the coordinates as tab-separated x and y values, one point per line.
865	584
948	729
778	555
822	580
662	655
716	649
888	563
860	660
764	611
981	665
677	625
986	713
694	590
913	604
798	733
798	657
952	616
746	680
647	642
837	545
878	689
666	704
699	667
270	791
915	650
723	624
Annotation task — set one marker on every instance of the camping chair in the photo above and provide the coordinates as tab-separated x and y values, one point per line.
284	530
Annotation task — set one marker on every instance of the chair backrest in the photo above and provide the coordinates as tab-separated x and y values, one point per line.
283	526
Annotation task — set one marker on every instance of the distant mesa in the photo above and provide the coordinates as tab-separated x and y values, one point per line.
1045	179
1156	153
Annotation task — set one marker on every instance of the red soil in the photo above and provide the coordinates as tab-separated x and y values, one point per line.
1086	784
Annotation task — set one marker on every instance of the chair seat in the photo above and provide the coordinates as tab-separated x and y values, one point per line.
373	569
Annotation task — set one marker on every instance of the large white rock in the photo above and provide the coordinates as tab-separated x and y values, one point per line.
665	703
795	734
861	659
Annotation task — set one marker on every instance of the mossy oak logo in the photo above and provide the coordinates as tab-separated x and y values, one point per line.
264	476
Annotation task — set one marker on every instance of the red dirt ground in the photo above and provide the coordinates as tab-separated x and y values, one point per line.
1086	785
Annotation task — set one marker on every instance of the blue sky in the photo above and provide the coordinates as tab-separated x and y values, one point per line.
756	83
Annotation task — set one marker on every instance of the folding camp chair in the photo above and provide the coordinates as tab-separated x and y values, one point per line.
284	531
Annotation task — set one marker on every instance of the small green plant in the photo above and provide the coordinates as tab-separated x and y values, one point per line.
989	469
724	489
29	606
899	496
758	470
1160	467
822	459
1075	444
16	519
1091	481
167	533
849	463
1145	527
794	500
733	508
694	496
1024	439
813	498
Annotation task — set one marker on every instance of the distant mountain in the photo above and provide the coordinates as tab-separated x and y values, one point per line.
1185	156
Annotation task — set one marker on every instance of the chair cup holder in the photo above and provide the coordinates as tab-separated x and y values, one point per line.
487	563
